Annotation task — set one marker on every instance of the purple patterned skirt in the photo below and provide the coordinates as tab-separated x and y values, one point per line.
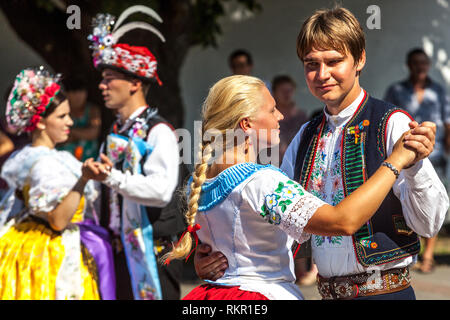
97	240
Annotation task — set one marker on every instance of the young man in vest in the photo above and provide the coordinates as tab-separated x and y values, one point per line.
139	171
334	153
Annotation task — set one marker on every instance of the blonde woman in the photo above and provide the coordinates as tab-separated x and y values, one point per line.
253	213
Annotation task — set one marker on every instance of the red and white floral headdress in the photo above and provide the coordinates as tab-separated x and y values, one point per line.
31	95
107	52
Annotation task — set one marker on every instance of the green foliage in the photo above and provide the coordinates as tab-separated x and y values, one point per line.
206	16
46	5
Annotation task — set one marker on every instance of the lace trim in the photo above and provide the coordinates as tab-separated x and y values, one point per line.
295	219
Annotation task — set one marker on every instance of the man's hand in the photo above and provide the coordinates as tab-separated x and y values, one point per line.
421	139
209	266
106	162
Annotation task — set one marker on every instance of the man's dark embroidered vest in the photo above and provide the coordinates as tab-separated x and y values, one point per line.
166	222
385	237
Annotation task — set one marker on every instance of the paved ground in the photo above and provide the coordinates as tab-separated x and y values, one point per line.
433	286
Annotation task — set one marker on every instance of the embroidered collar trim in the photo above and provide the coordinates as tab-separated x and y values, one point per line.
215	191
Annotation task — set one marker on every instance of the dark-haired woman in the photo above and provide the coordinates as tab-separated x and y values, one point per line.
43	252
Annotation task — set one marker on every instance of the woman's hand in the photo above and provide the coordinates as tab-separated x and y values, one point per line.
94	170
402	155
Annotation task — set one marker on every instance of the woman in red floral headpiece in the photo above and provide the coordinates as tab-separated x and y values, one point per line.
47	249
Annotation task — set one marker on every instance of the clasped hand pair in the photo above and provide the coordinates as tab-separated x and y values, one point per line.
420	139
96	170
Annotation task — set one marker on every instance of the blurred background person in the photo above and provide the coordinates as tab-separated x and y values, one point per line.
83	139
283	90
425	100
241	62
6	145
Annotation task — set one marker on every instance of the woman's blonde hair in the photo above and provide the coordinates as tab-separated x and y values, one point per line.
332	29
229	101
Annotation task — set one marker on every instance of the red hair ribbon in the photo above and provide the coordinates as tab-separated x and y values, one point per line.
296	250
192	230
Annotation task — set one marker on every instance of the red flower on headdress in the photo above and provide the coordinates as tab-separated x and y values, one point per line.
52	89
45	100
33	122
40	109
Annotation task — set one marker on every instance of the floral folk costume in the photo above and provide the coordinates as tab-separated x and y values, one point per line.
253	213
37	262
331	156
144	151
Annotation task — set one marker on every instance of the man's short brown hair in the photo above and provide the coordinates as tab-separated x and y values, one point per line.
332	29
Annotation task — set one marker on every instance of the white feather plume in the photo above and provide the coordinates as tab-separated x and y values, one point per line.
135	25
137	8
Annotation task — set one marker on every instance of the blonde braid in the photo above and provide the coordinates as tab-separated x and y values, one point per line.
184	245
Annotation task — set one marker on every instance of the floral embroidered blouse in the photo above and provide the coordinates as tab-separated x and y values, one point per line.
252	214
48	173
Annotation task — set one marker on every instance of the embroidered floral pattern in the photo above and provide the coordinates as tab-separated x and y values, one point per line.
146	292
326	179
128	220
333	240
132	239
281	198
140	266
116	151
105	50
133	236
114	222
68	284
139	129
123	148
130	155
46	200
